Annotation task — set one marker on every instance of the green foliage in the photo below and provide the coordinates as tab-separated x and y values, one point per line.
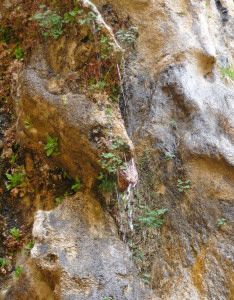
51	146
107	182
169	156
15	232
183	185
87	19
29	246
71	16
111	162
14	180
222	222
5	34
229	71
3	262
77	185
173	124
137	255
129	36
106	47
145	278
150	218
58	200
109	111
18	271
119	144
19	52
108	298
51	23
98	87
28	123
13	158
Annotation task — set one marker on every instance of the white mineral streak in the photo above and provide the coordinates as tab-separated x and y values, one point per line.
101	21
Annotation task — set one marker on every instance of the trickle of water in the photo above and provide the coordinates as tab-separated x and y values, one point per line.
121	84
125	211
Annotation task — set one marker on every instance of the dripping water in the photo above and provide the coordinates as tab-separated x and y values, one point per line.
121	86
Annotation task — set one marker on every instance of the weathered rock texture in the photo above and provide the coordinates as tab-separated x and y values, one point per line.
78	255
177	101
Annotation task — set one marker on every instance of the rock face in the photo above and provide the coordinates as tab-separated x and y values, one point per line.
177	101
80	123
77	246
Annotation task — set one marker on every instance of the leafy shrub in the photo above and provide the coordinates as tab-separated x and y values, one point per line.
127	36
145	278
107	182
151	218
221	222
111	162
77	185
3	262
18	271
19	52
183	185
29	246
14	180
51	146
98	87
28	123
169	156
51	23
15	232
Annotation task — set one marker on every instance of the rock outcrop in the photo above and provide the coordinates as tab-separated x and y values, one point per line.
178	105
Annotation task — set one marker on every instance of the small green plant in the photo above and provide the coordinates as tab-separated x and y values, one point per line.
183	185
77	185
15	232
137	255
60	199
98	87
19	52
145	278
71	16
87	19
109	111
50	22
182	12
129	36
111	162
28	123
106	47
108	298
119	144
15	180
228	71
13	158
29	246
51	146
151	218
107	182
18	271
222	222
173	124
3	263
169	156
